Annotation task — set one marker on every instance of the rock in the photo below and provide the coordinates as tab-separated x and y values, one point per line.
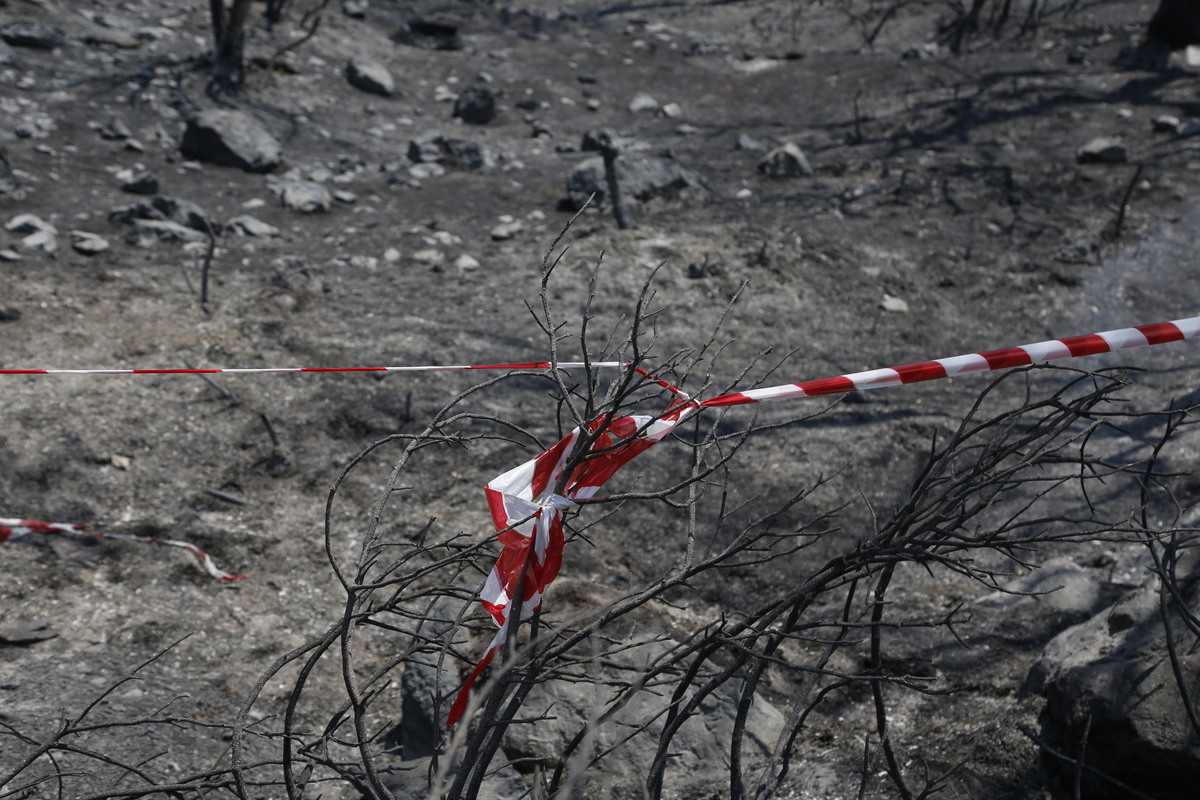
647	182
231	138
1035	607
1103	150
27	223
470	156
425	148
433	148
642	102
343	196
355	9
151	232
700	748
138	182
88	244
370	76
747	142
894	304
161	208
787	161
307	197
507	229
45	241
251	226
466	263
429	34
116	129
476	105
24	33
1165	123
1112	676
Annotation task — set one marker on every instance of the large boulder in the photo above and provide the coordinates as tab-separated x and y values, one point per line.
647	183
1112	677
231	138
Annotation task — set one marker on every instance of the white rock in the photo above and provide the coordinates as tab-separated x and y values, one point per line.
895	304
642	101
467	263
89	244
28	223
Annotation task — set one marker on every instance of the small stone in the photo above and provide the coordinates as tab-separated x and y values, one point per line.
1165	123
343	196
115	129
370	76
88	244
747	142
424	171
355	9
391	255
251	226
306	197
24	33
672	111
787	161
894	304
9	255
466	263
507	229
425	148
1103	150
428	256
122	463
642	102
475	106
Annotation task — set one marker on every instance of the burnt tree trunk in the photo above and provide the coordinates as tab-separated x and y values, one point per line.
1176	23
229	42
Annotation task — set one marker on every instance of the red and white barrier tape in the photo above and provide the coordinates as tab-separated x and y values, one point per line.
263	370
527	512
15	528
1072	347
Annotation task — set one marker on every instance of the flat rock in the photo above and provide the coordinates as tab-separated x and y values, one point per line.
24	33
173	209
151	232
370	76
88	244
646	182
231	138
248	225
1103	150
